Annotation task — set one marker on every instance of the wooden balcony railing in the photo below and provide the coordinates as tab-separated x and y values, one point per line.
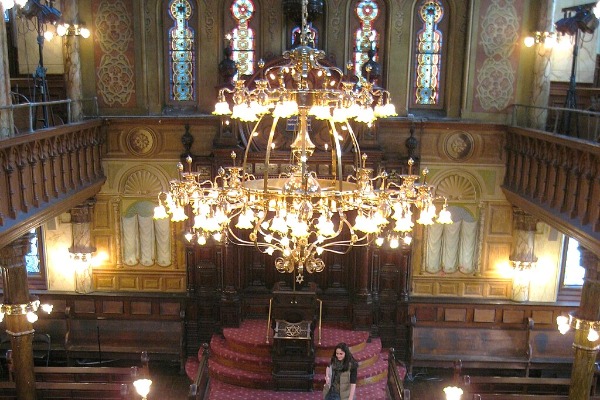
556	178
46	173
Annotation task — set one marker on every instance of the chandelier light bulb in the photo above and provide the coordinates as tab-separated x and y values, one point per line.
593	335
47	308
529	41
394	243
564	328
31	316
84	32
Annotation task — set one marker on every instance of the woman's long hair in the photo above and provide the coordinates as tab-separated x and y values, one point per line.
348	361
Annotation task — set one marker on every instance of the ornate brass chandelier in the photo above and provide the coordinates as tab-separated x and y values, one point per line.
297	216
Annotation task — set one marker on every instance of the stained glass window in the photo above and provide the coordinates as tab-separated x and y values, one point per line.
242	36
366	37
182	55
428	53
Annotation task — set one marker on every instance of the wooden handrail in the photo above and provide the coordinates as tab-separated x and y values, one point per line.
395	387
199	389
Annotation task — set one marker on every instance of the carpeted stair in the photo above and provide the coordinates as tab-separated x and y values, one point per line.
243	358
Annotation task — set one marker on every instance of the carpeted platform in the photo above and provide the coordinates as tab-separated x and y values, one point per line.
241	360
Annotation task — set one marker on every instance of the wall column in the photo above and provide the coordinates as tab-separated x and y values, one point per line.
71	55
588	314
16	295
542	67
6	116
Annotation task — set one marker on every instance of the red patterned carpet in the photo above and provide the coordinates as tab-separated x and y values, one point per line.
240	363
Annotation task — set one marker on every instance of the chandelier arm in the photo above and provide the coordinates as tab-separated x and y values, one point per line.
248	145
352	135
338	155
268	154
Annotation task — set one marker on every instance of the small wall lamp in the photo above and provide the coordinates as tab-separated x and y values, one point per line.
548	39
65	29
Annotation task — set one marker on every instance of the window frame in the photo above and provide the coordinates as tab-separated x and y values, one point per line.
36	281
566	293
438	109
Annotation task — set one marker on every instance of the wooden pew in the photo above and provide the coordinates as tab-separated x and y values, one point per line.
71	390
78	382
102	335
551	350
485	347
514	384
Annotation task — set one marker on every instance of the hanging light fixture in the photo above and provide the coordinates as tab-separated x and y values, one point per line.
299	215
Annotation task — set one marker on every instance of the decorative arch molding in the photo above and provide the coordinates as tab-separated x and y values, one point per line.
142	181
458	186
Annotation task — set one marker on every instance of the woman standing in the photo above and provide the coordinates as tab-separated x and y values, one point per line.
340	376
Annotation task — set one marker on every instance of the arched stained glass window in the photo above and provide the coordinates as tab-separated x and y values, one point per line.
182	54
366	37
242	36
428	53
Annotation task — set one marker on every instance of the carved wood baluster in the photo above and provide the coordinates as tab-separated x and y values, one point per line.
519	165
570	183
62	153
578	190
54	167
7	206
33	170
535	168
592	215
44	170
552	177
79	159
70	163
542	178
526	167
583	199
559	184
509	178
88	160
21	185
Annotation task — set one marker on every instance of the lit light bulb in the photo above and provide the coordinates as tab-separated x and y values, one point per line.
529	41
593	335
31	317
47	308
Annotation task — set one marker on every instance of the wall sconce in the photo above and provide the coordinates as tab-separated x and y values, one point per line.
65	29
27	309
548	39
82	263
453	392
565	323
142	386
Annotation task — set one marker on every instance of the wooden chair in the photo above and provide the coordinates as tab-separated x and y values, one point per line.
41	344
